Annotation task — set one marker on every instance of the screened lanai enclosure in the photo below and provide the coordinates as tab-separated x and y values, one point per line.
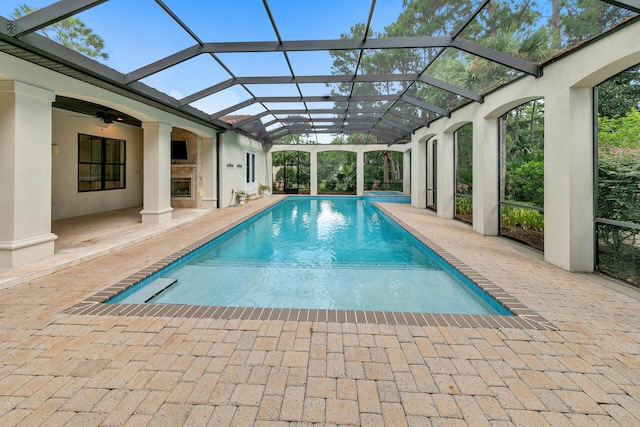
382	71
493	112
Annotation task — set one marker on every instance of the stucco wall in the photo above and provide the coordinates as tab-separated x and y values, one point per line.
232	153
66	201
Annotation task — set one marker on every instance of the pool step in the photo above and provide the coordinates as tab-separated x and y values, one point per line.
332	265
153	289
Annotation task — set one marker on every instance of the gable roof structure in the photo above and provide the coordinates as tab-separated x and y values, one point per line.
380	80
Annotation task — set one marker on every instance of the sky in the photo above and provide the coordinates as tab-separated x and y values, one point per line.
139	32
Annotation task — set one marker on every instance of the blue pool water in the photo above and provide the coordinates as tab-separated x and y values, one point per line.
387	196
324	253
385	193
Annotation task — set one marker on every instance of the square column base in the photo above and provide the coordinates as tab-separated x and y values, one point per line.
209	203
150	217
18	253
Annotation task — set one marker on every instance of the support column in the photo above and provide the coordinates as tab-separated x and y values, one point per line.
418	172
359	172
209	171
486	177
406	172
430	172
568	179
269	172
157	173
313	156
25	174
446	178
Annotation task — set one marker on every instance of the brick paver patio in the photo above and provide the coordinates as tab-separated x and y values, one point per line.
87	370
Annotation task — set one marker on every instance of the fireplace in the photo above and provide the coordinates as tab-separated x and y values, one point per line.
181	187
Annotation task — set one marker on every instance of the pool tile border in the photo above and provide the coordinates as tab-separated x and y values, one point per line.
523	317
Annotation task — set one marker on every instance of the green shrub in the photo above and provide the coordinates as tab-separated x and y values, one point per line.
512	216
526	183
464	205
619	185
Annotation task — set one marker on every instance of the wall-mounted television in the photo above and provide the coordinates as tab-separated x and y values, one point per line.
179	151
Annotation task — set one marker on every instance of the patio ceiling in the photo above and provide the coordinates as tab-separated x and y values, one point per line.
279	69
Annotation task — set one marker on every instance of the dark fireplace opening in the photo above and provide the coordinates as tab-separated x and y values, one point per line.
181	187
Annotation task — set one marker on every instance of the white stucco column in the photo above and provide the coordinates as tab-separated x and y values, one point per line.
446	178
359	172
25	173
157	173
406	172
269	172
313	158
568	179
418	172
430	171
209	170
485	177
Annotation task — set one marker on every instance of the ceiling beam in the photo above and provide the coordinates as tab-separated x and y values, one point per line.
396	125
208	91
48	15
465	93
330	98
287	46
408	117
633	5
233	108
425	106
497	56
341	44
325	79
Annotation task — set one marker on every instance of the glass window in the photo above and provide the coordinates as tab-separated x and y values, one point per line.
101	163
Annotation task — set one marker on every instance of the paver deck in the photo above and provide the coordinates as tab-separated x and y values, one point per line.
88	370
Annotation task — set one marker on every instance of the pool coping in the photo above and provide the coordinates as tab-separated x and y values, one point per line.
522	318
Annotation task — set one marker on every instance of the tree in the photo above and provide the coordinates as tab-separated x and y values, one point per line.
620	94
582	19
337	170
292	169
70	32
509	27
295	138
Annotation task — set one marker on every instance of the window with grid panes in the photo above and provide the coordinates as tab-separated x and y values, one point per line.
101	163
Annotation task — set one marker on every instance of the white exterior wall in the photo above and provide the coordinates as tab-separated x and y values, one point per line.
232	152
66	201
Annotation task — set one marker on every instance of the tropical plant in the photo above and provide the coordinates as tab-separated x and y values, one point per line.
346	176
336	169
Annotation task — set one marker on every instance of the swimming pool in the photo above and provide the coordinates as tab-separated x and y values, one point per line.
338	253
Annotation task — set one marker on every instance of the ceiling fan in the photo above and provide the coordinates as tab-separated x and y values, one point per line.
107	117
